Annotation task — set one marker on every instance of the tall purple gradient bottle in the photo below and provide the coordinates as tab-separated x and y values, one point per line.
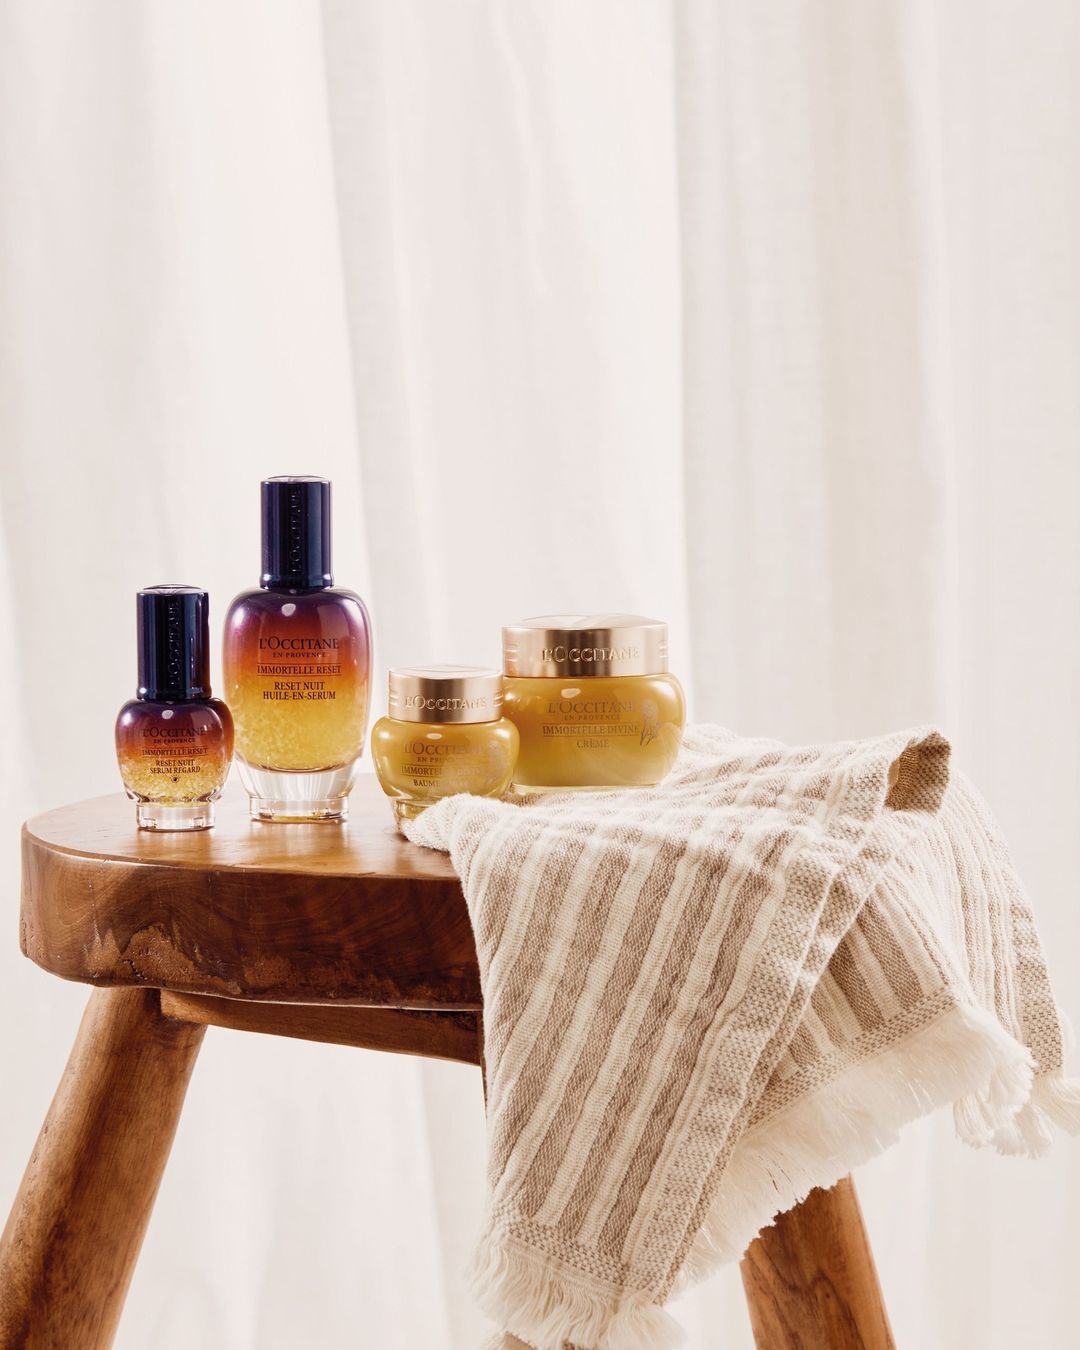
297	661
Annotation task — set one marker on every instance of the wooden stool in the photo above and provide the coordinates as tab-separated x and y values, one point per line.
349	935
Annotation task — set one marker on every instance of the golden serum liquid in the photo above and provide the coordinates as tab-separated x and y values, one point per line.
592	700
174	755
297	671
297	663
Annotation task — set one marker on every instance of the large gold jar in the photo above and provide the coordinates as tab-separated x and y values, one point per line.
592	699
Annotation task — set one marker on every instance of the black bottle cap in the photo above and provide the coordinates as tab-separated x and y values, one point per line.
174	643
296	534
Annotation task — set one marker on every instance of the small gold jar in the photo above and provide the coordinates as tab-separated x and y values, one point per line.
592	699
445	733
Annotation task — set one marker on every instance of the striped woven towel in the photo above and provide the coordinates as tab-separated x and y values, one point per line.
703	999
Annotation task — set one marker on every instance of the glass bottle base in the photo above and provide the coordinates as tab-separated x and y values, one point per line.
406	808
283	812
162	816
291	796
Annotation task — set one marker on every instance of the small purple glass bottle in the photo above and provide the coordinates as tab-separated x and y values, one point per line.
174	741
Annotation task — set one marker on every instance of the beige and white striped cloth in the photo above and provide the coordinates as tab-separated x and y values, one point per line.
705	998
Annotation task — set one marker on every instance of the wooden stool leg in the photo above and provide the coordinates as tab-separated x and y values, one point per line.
70	1245
810	1279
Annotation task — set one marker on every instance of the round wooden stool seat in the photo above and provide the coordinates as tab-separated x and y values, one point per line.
320	913
328	932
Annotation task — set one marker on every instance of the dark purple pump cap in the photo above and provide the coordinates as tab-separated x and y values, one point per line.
174	643
296	534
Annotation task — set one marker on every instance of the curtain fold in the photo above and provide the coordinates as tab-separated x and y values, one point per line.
765	319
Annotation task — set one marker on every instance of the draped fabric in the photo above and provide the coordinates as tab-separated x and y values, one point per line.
705	998
764	319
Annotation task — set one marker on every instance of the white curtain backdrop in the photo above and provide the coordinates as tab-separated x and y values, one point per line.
764	318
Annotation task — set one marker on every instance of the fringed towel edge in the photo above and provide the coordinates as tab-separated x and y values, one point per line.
963	1053
548	1306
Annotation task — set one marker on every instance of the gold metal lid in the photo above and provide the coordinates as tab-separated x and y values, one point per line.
445	694
558	645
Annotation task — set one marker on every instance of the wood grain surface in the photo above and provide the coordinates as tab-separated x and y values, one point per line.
344	913
77	1224
810	1279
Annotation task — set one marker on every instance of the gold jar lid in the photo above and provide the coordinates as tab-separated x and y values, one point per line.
445	694
558	645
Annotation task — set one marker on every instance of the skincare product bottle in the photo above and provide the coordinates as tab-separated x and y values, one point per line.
297	661
445	733
174	742
592	700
